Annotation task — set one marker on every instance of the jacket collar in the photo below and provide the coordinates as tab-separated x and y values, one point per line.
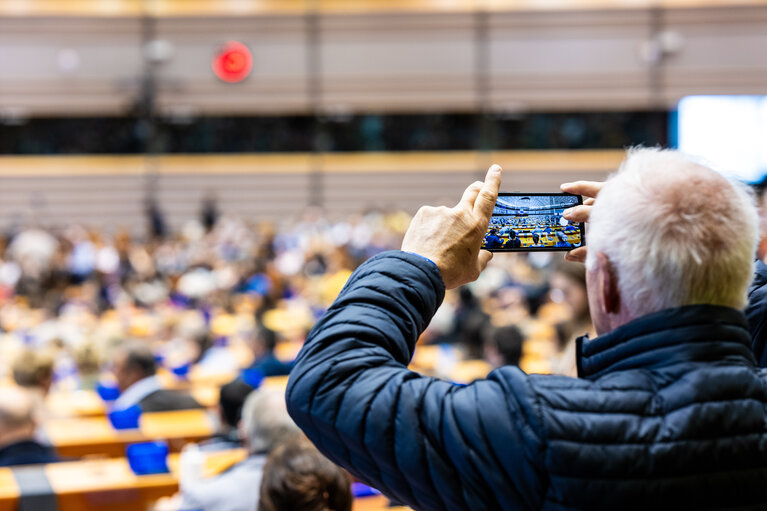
702	333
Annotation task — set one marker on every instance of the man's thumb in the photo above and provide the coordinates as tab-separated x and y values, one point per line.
483	259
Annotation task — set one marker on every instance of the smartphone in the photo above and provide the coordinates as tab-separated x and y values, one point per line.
532	222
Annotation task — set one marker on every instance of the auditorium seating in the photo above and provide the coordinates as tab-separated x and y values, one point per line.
95	485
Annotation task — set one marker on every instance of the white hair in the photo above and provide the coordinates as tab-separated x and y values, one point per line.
676	232
265	420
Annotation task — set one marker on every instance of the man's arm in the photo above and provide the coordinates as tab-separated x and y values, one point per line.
425	442
428	443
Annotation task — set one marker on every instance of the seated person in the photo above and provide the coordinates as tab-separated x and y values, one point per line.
18	445
562	240
134	370
503	347
513	241
297	476
264	425
263	341
492	240
231	399
33	370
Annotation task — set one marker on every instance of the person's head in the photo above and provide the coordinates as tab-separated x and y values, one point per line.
133	361
504	346
512	235
232	397
262	341
17	415
298	476
666	232
569	281
265	421
33	369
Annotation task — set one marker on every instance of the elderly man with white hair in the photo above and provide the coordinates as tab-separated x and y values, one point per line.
265	424
668	411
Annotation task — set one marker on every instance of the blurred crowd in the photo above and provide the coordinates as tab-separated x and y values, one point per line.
68	297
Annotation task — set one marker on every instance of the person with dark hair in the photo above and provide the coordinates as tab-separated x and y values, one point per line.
492	240
562	240
232	397
18	445
297	476
513	241
503	346
134	368
209	212
263	342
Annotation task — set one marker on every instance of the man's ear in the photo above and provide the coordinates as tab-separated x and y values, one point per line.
608	285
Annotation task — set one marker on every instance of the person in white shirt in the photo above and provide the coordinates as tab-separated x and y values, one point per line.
265	424
135	370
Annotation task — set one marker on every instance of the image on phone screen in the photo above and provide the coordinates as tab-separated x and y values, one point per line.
533	222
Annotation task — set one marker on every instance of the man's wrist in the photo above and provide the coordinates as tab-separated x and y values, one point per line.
422	257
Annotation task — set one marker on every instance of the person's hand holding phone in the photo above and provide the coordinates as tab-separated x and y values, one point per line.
451	237
580	213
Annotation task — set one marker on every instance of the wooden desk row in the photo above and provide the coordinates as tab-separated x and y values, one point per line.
89	432
110	484
95	436
87	403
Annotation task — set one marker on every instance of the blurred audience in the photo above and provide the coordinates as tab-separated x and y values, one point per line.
297	476
18	445
265	424
568	283
135	370
221	295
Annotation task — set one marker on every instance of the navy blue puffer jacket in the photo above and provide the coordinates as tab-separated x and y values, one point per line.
669	412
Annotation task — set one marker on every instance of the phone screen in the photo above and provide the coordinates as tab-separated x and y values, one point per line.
526	222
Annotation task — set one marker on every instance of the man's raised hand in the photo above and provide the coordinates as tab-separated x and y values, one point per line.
589	189
451	237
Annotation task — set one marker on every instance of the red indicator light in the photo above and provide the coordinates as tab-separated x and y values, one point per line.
232	62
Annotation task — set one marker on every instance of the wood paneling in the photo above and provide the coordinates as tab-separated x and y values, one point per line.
110	191
401	56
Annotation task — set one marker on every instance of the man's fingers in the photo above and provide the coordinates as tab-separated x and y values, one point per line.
587	188
577	255
483	259
588	202
577	213
489	193
470	195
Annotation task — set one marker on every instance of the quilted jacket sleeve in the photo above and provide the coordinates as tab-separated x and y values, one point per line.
428	443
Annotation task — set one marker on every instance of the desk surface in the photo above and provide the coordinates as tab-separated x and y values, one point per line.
74	437
87	403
